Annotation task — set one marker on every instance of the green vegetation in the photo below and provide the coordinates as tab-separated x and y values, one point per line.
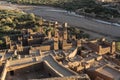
118	46
1	42
80	6
90	7
13	21
77	32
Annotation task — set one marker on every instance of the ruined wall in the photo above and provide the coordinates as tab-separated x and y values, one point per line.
43	47
25	51
21	61
4	72
34	41
94	75
104	50
90	61
32	68
79	43
66	45
94	47
56	45
113	47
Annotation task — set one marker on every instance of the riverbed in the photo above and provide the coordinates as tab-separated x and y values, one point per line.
96	28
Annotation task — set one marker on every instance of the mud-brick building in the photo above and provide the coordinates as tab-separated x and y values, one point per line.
102	46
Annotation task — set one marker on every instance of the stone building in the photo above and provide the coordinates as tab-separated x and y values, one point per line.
65	33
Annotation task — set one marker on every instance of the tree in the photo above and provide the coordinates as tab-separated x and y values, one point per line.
36	28
9	20
31	16
118	46
6	28
1	42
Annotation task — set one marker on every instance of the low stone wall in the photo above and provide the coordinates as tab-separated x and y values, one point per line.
20	61
23	62
104	50
34	41
4	72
